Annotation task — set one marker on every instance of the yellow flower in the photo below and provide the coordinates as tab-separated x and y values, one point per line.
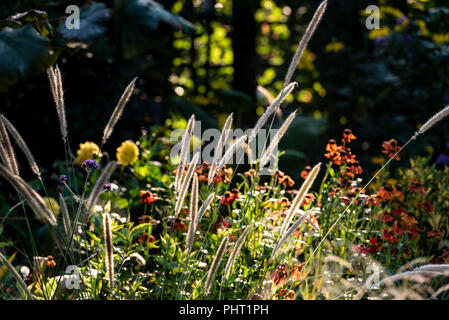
440	38
381	32
87	150
127	153
52	204
423	27
334	46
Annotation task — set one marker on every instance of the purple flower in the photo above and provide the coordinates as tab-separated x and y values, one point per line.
400	20
90	164
62	178
442	160
381	41
110	187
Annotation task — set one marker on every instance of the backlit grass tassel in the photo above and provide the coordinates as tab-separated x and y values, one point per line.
16	276
305	40
108	249
219	149
23	146
118	111
276	139
215	264
271	109
185	184
55	79
185	148
99	186
34	200
432	121
236	251
193	213
299	198
7	149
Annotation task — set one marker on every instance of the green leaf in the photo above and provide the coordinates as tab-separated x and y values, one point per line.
93	23
133	19
38	17
139	229
23	52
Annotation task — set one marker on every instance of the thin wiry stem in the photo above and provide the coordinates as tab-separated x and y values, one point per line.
23	146
16	276
215	264
65	218
305	40
118	111
276	139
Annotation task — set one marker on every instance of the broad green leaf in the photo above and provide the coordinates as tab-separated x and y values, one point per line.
93	23
23	52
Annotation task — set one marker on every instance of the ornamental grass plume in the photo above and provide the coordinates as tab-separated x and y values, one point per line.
185	147
65	218
305	40
276	139
99	186
185	184
127	153
22	145
16	276
219	149
55	79
193	213
299	198
230	152
7	150
35	201
118	111
287	234
271	109
108	249
204	207
215	264
236	251
432	121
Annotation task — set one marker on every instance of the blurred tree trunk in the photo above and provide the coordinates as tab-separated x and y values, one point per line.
244	32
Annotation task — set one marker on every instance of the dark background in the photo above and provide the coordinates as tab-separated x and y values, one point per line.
380	88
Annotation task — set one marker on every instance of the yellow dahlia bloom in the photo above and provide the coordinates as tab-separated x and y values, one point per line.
127	153
87	150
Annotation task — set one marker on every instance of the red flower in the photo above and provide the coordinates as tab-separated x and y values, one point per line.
390	148
415	186
348	136
388	236
220	224
279	274
384	194
179	225
435	233
360	249
305	172
146	197
229	197
331	146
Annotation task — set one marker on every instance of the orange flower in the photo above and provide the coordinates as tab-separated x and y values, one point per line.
435	233
249	173
51	262
331	146
384	194
305	172
390	148
286	180
348	136
146	197
230	196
